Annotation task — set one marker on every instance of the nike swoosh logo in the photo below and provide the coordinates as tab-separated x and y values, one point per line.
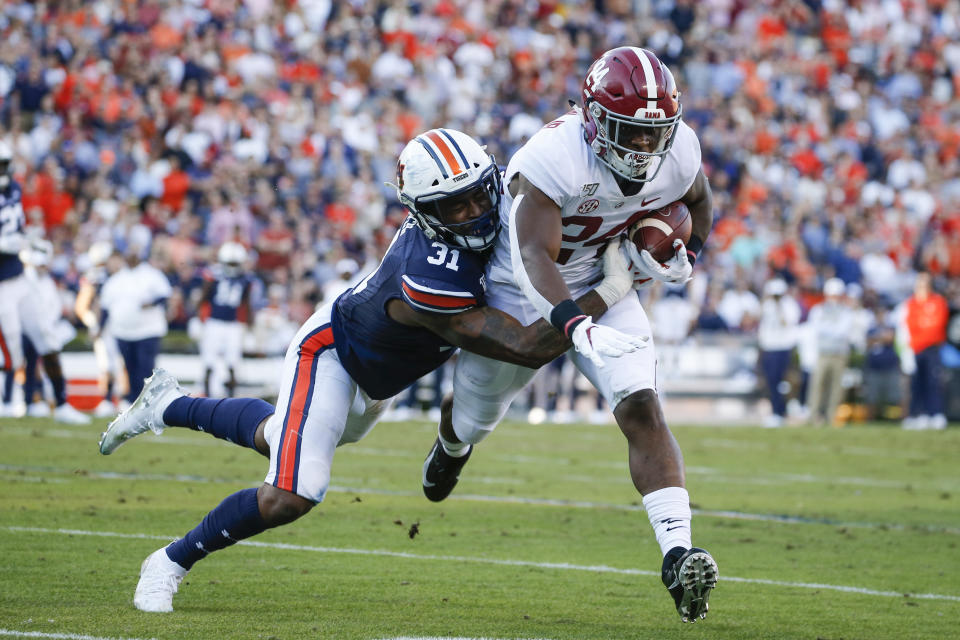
645	202
672	528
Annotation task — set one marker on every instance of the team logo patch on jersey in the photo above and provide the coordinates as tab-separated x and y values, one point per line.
589	189
588	206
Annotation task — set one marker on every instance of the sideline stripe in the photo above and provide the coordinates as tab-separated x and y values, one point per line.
64	636
542	502
563	566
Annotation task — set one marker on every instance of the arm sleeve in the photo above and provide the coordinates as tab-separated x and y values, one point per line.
435	296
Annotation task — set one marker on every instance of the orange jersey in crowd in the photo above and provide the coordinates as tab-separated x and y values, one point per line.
927	321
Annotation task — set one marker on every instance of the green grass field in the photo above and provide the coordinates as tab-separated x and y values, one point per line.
819	534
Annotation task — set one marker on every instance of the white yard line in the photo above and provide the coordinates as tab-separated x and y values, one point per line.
543	502
562	566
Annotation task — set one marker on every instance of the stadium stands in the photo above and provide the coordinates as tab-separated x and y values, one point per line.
830	131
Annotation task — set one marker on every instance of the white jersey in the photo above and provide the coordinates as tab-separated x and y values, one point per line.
124	295
560	163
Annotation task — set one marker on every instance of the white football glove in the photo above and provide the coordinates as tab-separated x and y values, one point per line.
617	278
595	340
677	270
638	275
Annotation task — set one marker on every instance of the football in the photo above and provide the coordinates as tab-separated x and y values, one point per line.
657	230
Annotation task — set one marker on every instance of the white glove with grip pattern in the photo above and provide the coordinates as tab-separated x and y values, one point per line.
638	275
677	270
595	340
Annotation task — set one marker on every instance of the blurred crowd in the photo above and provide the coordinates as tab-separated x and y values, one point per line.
830	131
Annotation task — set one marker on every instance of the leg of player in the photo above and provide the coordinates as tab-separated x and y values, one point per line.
482	392
161	404
63	412
239	516
6	405
37	407
656	467
231	382
441	470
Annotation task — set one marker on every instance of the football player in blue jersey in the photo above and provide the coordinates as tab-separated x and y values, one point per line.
405	319
226	305
19	306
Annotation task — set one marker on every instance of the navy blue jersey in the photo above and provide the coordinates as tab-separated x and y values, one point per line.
227	294
12	222
381	355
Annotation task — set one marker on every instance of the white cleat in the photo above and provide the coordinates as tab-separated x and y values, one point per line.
773	421
159	579
68	415
105	409
38	410
146	412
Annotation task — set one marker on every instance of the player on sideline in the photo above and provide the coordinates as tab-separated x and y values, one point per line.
104	262
583	179
402	321
226	302
18	306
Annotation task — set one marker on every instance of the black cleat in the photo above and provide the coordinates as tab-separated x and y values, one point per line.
440	472
690	575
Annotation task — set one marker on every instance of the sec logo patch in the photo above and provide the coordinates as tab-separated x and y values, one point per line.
588	206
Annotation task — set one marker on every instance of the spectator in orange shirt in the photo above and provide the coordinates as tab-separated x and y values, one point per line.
926	319
175	186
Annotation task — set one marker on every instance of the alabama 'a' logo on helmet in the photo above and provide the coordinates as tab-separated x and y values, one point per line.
625	89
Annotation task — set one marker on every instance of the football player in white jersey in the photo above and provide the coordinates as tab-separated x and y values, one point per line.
583	179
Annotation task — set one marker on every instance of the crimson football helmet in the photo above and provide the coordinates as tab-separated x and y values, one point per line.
628	91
